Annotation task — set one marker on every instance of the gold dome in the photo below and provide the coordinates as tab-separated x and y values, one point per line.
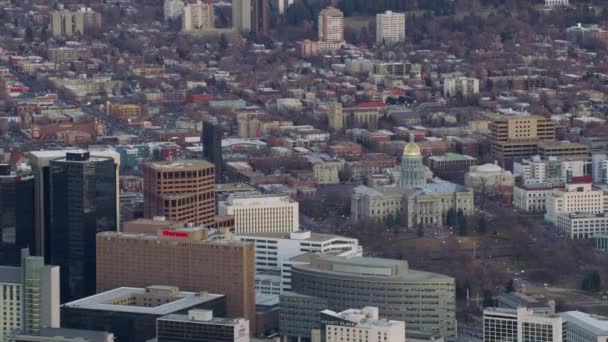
411	150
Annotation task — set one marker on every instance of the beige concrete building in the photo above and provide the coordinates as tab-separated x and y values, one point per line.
518	136
258	213
335	116
331	25
563	150
66	23
184	258
198	16
326	172
180	190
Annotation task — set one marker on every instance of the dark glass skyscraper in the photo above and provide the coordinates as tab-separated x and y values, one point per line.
212	145
16	214
82	204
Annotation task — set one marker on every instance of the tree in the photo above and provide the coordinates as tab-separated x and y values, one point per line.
488	299
29	34
592	282
223	42
462	223
482	225
420	231
451	219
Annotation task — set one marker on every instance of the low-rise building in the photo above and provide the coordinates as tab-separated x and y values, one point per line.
489	179
532	198
363	325
451	166
201	326
521	324
581	225
584	327
131	313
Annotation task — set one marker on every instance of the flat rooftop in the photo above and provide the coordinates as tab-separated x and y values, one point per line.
366	267
10	275
598	325
213	321
174	300
180	164
314	237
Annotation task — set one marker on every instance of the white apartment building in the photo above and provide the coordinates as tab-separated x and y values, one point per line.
390	27
552	171
331	25
274	251
522	324
583	327
531	170
555	3
258	213
361	325
581	225
173	9
575	198
198	16
464	86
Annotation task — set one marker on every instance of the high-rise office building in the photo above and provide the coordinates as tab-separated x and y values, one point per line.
390	27
82	204
331	25
241	15
40	162
390	285
131	313
260	18
258	213
198	16
173	9
16	214
181	190
518	137
521	324
201	326
185	258
212	145
30	296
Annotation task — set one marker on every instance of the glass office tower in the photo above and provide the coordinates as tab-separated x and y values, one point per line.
16	214
82	204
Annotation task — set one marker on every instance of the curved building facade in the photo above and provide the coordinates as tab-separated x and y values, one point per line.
424	300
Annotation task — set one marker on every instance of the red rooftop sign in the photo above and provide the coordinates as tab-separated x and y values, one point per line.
174	234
